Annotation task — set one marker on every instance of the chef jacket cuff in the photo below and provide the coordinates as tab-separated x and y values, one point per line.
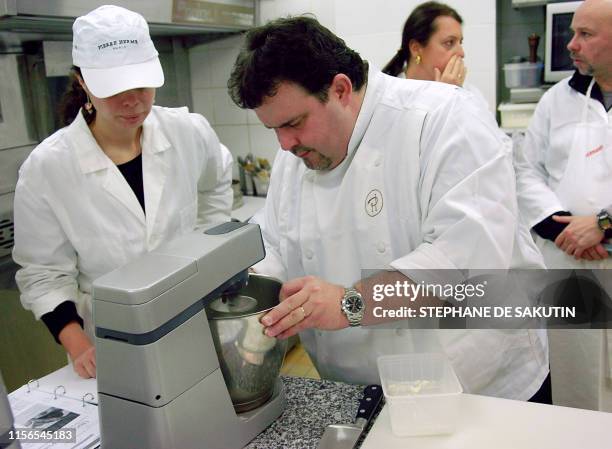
49	301
549	229
60	317
532	220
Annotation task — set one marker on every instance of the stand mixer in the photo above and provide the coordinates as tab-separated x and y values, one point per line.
159	381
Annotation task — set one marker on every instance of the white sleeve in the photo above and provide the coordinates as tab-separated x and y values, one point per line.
478	96
467	194
48	274
267	219
535	198
215	195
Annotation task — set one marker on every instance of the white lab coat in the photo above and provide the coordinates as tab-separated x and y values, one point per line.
557	170
76	217
443	175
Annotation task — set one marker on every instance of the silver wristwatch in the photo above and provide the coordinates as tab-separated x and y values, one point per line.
604	220
352	306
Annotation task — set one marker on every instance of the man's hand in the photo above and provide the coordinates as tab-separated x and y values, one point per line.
581	238
454	72
79	348
307	302
597	252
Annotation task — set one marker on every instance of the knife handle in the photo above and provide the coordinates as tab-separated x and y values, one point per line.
372	394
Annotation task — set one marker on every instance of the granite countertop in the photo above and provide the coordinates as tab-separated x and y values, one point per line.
312	405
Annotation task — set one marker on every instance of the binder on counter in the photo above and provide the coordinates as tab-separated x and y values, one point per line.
74	387
60	403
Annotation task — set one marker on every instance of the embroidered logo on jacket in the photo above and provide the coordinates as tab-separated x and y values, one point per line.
373	203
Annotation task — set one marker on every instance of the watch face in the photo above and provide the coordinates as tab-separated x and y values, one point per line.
604	220
354	304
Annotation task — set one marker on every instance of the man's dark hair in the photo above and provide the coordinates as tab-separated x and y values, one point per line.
294	49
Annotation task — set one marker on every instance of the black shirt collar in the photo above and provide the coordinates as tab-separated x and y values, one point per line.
581	83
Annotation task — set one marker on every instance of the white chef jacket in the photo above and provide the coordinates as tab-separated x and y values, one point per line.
541	161
580	359
443	175
77	218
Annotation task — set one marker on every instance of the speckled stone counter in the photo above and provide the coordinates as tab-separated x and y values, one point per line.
311	406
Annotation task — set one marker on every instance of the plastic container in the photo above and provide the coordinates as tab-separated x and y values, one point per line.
516	115
422	392
523	74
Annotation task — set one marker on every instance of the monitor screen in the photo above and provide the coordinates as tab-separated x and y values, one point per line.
561	35
557	61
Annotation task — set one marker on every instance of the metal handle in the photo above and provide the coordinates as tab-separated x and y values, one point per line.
372	394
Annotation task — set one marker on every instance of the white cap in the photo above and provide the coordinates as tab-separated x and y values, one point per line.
112	47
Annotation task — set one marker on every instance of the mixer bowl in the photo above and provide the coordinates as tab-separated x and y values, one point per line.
250	360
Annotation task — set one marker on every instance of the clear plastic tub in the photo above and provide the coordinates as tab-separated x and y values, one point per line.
422	392
523	74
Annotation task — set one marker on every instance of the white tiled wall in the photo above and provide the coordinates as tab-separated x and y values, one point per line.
237	128
211	65
324	10
367	26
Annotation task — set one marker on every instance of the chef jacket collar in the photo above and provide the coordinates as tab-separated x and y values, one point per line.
581	83
92	158
372	86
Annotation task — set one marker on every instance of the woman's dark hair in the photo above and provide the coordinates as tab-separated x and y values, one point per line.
419	26
294	49
73	100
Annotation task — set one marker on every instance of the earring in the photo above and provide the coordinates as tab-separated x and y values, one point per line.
88	106
417	59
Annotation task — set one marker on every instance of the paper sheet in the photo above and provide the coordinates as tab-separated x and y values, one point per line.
37	410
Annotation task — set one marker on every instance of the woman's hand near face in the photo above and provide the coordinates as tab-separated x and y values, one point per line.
80	349
454	72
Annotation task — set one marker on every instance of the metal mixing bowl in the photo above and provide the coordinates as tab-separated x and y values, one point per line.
250	360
